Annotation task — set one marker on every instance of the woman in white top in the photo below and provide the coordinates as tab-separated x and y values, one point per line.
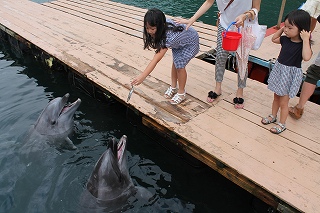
230	11
313	8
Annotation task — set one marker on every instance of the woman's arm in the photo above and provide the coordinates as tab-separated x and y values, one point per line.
256	4
248	14
204	8
277	35
156	58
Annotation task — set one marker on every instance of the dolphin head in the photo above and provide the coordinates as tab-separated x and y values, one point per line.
110	178
57	118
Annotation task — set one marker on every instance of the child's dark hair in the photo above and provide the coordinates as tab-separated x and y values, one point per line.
300	18
156	18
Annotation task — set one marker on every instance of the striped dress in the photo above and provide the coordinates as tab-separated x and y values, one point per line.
184	45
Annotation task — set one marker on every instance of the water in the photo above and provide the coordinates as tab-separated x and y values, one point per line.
268	14
54	181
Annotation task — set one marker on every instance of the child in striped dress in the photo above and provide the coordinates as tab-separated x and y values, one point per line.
160	34
286	76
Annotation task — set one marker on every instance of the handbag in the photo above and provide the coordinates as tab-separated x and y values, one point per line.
218	13
259	31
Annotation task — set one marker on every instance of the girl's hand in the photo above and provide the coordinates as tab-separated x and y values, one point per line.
138	80
305	35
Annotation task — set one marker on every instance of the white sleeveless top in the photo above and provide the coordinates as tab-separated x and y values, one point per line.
236	8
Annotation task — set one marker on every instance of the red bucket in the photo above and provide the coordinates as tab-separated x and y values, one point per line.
230	39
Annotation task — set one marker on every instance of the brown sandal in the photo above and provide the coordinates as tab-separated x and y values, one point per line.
295	112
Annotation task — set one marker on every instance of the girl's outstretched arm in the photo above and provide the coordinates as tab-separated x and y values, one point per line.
306	48
156	58
277	35
204	7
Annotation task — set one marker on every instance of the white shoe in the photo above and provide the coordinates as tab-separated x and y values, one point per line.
170	92
178	98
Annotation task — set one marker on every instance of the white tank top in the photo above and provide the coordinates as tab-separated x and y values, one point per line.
236	8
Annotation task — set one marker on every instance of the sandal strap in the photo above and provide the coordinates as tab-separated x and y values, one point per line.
266	120
272	117
283	126
240	100
280	128
178	98
170	91
213	95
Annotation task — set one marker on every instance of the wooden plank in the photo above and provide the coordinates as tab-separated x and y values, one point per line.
228	143
207	40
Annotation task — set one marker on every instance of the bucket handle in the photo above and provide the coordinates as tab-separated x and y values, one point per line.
225	32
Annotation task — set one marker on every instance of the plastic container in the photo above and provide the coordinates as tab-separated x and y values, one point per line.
231	39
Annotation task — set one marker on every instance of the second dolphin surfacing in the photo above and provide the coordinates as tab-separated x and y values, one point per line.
110	187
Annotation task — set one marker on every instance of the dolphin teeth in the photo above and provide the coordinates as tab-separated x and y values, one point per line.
67	107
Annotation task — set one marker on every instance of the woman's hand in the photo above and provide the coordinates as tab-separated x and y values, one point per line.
183	21
240	20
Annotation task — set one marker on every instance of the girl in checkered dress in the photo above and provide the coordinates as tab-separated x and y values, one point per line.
160	34
286	76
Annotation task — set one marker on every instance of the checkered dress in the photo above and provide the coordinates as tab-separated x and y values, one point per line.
184	45
285	80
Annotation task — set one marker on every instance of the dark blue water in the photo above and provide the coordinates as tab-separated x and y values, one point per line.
53	180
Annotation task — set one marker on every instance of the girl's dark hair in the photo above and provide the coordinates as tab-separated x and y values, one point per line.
156	18
300	18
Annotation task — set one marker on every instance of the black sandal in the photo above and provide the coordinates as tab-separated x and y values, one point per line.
212	95
238	103
237	100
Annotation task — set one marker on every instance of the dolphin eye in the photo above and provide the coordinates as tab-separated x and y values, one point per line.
53	122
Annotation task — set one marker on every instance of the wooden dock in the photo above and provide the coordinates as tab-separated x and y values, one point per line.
100	41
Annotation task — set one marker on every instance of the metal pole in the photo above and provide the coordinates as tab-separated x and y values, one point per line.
281	13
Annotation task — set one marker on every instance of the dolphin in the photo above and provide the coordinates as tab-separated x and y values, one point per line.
110	187
41	148
55	123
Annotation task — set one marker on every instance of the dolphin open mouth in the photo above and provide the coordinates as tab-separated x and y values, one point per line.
121	148
67	107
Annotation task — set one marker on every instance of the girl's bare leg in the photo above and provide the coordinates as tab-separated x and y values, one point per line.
174	76
182	80
284	108
275	105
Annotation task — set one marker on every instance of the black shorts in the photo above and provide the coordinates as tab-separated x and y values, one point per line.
313	74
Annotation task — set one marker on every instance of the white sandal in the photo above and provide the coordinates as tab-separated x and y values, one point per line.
170	92
178	98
